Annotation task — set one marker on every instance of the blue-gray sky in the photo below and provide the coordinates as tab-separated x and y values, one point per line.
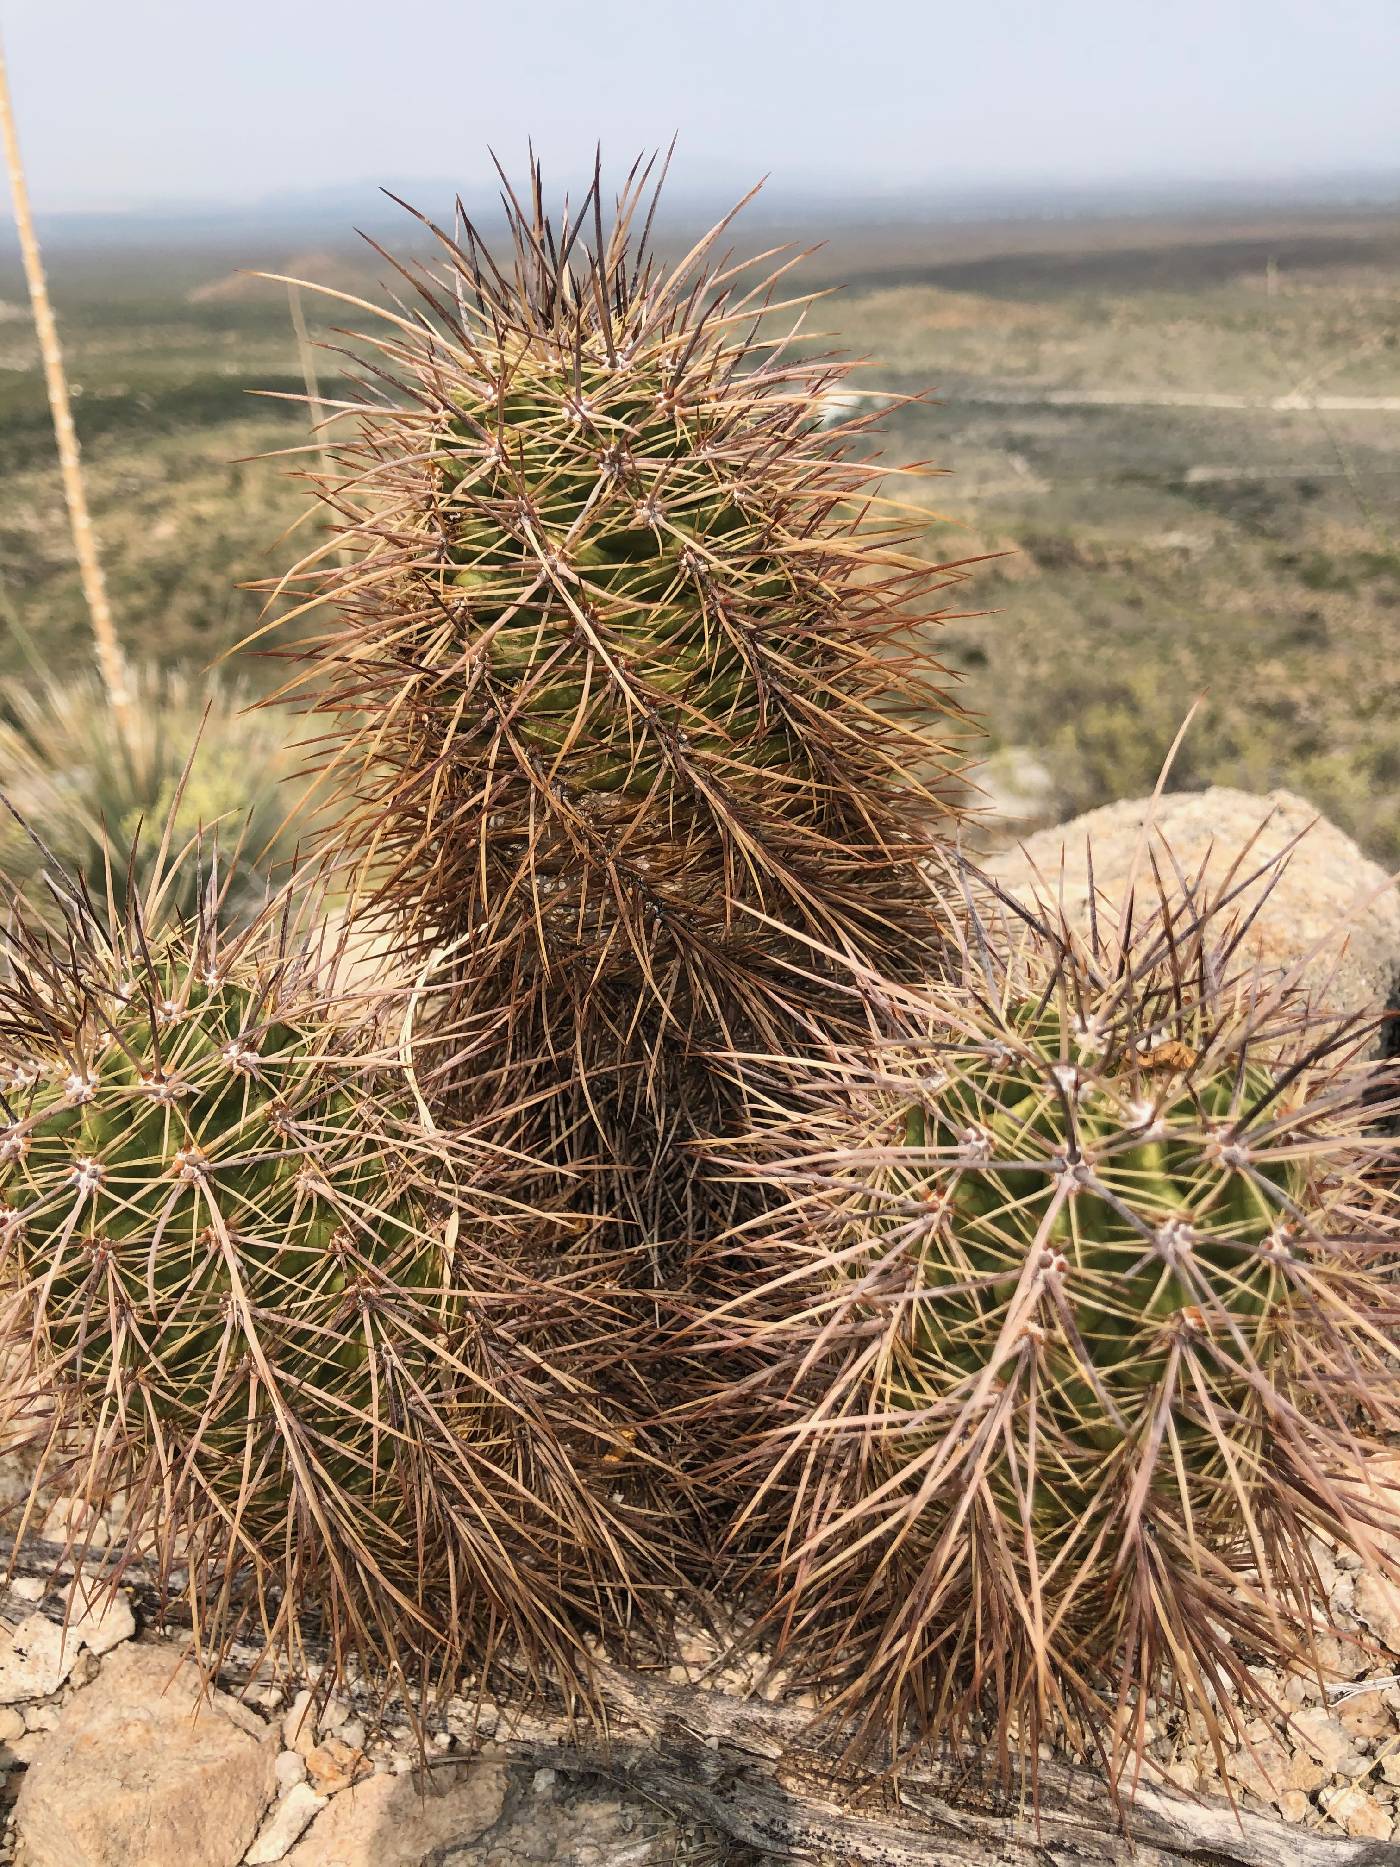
124	102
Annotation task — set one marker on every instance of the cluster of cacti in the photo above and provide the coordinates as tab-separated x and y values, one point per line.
629	693
1015	1308
274	1322
1079	1324
91	783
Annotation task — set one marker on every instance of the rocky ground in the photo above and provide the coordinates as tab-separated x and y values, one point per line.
111	1754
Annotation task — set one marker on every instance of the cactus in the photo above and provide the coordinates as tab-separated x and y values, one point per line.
629	687
89	784
297	1343
1078	1323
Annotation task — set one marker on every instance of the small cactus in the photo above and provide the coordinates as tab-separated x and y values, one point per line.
1079	1323
296	1341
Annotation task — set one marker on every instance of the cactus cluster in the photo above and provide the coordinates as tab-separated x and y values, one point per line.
277	1325
1080	1322
687	1163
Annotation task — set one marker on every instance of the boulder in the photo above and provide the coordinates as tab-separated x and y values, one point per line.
400	1821
1328	894
146	1767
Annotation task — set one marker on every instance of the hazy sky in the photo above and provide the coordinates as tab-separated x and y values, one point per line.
126	101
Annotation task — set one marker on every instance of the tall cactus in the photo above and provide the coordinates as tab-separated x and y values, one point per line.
629	686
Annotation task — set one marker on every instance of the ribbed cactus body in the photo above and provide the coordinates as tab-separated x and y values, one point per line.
1106	1207
299	1343
599	523
1075	1324
197	1185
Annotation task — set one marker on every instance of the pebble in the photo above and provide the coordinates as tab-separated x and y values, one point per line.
299	1724
333	1765
1358	1813
291	1816
290	1769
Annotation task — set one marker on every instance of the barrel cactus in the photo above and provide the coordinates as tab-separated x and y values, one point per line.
629	686
1079	1324
298	1345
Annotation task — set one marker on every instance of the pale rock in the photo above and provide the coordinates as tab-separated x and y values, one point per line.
1325	1558
73	1522
38	1655
1390	1766
290	1769
333	1714
149	1769
87	1668
1293	1805
104	1624
25	1749
42	1717
1318	1729
1270	1683
28	1588
1262	1769
11	1724
1358	1813
333	1765
299	1724
1378	1605
35	1659
1340	1659
1303	1772
248	1720
1185	1772
542	1781
697	1647
399	1821
1364	1716
352	1732
291	1816
1329	896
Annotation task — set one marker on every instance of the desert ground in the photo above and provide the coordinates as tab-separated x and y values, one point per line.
1168	449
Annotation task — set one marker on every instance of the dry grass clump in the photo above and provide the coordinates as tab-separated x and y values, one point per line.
190	757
